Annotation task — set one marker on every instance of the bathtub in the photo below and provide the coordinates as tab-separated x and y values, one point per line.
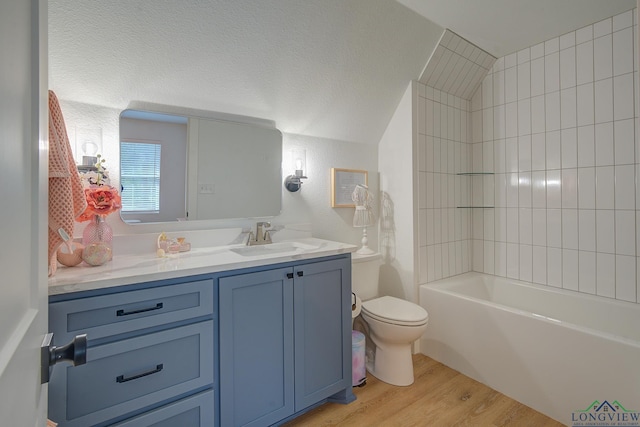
555	351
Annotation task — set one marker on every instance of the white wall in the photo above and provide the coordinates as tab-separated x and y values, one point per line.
311	205
557	124
396	165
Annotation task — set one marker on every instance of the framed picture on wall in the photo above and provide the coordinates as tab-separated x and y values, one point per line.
343	182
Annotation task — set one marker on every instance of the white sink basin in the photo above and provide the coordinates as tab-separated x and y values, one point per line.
272	248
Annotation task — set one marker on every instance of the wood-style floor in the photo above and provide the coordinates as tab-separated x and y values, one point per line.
439	397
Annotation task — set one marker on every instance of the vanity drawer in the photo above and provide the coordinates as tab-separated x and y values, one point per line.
194	411
126	375
106	315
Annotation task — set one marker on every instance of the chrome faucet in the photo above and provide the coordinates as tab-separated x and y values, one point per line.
262	236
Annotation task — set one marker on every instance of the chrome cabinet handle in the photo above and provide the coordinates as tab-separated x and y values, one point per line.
119	313
122	379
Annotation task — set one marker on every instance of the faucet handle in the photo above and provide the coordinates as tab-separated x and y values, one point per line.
264	224
249	238
267	236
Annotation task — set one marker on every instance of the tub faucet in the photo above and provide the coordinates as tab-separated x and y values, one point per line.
262	236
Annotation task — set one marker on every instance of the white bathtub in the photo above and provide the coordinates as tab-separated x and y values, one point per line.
553	350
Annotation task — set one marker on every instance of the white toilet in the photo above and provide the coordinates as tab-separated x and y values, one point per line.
394	324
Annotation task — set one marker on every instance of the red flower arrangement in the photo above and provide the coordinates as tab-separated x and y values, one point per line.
102	200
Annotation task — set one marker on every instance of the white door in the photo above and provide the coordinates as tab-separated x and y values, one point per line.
23	210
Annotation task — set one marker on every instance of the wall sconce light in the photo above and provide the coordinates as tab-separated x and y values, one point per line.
299	164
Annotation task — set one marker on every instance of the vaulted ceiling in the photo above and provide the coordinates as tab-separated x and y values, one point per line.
326	68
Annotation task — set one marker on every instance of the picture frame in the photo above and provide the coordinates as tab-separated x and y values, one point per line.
343	182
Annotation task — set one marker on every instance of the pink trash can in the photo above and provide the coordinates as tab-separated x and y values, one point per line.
359	371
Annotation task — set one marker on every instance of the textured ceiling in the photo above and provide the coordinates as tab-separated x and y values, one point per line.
328	68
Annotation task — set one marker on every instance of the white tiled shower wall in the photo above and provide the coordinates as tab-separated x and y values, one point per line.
556	124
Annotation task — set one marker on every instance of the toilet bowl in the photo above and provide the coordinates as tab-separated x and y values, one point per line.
394	324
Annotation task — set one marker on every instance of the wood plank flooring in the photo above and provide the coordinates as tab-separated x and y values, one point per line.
439	397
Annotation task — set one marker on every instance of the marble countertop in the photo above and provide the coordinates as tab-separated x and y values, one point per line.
130	269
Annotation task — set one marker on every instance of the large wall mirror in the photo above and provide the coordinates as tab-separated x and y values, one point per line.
185	168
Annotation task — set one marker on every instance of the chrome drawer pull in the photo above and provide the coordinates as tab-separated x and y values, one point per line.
142	310
122	379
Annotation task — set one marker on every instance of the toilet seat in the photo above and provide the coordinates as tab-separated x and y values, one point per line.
395	311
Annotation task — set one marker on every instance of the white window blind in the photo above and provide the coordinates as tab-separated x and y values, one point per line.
140	176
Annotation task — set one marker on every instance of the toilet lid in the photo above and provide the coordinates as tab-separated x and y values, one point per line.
395	310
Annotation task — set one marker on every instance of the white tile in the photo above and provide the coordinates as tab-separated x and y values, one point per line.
430	263
537	114
539	267
603	94
623	52
524	55
605	275
498	88
500	226
553	149
422	227
437	262
570	269
488	257
512	225
430	237
437	225
570	228
623	20
554	189
538	151
500	198
537	51
624	141
489	191
458	257
510	85
498	65
623	97
604	144
487	156
587	230
538	189
552	111
537	77
587	188
567	40
524	153
587	273
422	195
567	68
605	187
511	154
422	155
499	155
524	80
511	119
554	267
569	147
525	224
526	263
584	63
436	119
605	231
551	45
585	105
487	124
602	27
586	146
539	227
499	122
584	34
510	60
487	91
625	190
513	261
626	278
569	188
602	58
625	232
568	108
423	265
466	250
552	72
445	261
512	190
478	259
489	224
500	259
554	228
476	100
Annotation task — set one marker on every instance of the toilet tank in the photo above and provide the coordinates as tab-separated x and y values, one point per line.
365	271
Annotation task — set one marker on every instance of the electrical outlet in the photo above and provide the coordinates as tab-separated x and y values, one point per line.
206	188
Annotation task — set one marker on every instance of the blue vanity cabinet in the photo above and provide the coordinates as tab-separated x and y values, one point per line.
285	342
150	355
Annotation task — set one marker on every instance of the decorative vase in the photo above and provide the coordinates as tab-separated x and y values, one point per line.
97	239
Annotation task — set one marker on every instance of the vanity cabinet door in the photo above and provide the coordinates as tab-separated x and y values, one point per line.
322	324
256	348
